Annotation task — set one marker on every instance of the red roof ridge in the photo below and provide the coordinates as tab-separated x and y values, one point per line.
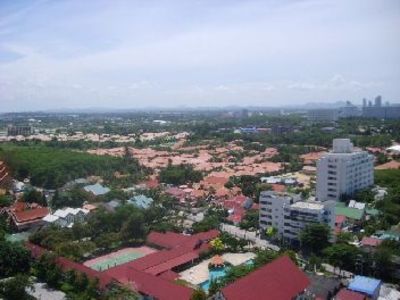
280	279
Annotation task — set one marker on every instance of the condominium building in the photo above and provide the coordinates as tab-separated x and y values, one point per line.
289	215
343	171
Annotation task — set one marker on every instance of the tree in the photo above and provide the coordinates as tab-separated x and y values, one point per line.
217	245
13	258
33	195
5	200
120	292
179	175
314	238
384	266
271	232
264	256
133	228
47	270
341	255
229	241
250	219
198	294
15	288
344	237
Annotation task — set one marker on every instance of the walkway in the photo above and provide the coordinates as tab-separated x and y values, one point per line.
248	236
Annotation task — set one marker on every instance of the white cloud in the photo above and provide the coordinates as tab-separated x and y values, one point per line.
248	52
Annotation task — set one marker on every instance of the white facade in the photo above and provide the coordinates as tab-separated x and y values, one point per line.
343	171
66	217
290	215
302	213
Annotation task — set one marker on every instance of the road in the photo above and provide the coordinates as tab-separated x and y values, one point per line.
248	236
343	273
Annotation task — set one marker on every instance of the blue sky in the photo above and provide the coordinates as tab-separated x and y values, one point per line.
127	54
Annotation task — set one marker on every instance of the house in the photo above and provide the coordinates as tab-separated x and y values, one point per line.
96	189
352	214
370	243
279	280
322	287
340	223
25	216
237	207
345	294
66	217
110	206
141	201
368	286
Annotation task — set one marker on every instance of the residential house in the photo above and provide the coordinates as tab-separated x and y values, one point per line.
25	216
66	217
368	286
141	201
96	189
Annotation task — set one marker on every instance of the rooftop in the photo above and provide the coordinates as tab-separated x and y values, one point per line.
345	294
97	189
280	279
367	285
308	205
351	213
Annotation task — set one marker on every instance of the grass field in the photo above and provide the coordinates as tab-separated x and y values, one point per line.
117	258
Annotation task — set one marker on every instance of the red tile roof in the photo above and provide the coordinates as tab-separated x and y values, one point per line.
31	214
169	275
216	180
345	294
389	165
276	187
339	219
166	240
370	241
172	263
66	265
278	280
156	286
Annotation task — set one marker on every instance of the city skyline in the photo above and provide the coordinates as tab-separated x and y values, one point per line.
77	55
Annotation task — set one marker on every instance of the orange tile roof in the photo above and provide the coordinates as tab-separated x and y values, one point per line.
31	214
393	164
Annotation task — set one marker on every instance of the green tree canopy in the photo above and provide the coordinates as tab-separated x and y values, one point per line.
314	238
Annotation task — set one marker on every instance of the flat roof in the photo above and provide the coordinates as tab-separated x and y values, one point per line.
363	284
308	205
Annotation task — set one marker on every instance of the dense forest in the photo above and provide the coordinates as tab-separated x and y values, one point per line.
52	168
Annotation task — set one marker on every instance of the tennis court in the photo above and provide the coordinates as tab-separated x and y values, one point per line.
119	257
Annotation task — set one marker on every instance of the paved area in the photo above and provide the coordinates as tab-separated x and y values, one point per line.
342	273
196	274
41	292
237	259
199	273
249	236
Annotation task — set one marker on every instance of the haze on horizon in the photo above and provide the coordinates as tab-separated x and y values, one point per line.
129	54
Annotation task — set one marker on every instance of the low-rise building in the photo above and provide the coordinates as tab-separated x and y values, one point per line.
66	217
368	286
280	279
24	216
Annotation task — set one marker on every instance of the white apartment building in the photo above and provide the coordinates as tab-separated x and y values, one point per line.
343	171
290	215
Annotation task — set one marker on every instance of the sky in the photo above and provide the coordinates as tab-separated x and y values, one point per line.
136	54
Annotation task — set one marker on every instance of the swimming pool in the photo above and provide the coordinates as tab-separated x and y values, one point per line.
219	273
213	275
